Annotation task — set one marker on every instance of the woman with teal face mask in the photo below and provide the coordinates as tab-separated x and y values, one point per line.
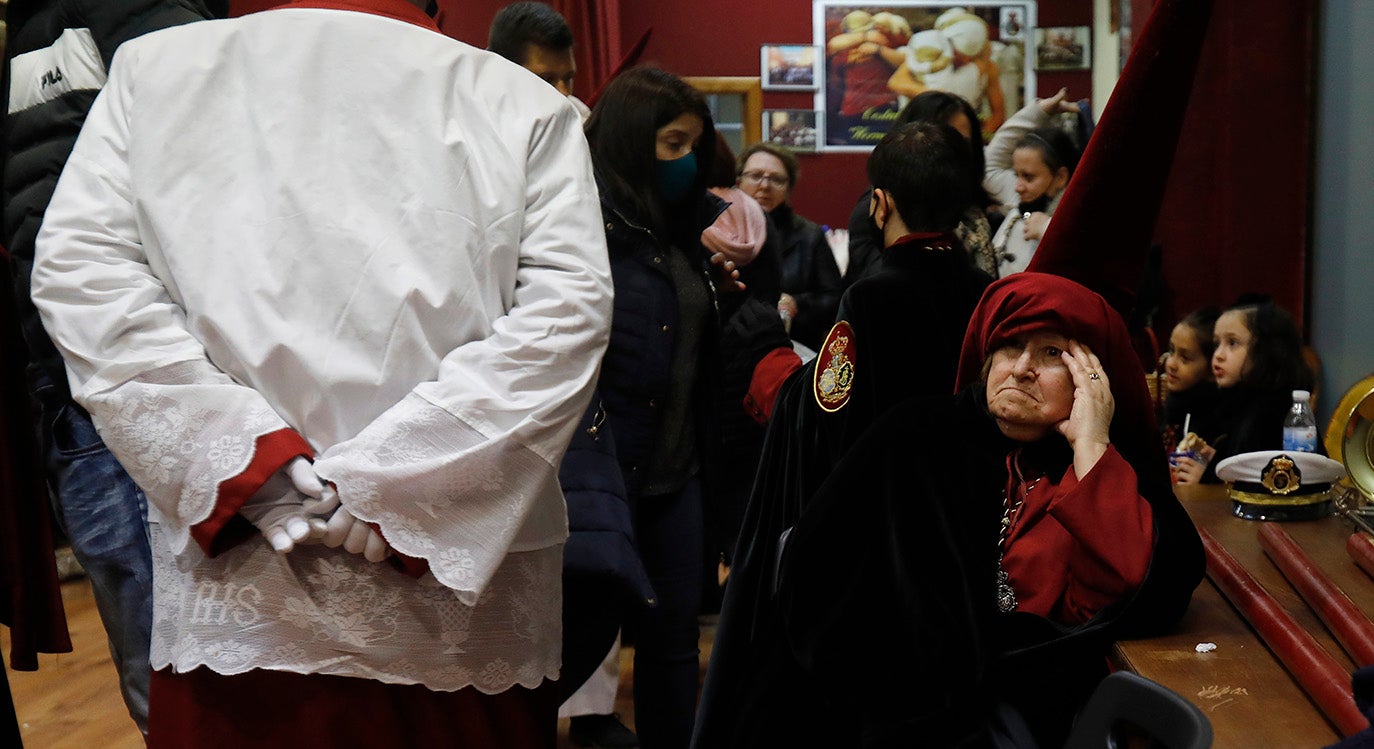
650	134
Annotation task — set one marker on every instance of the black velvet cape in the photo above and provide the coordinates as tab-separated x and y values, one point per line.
908	322
875	623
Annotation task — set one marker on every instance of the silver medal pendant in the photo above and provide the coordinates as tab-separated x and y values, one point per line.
1006	597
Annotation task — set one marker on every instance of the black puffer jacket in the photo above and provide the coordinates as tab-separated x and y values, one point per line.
59	52
637	371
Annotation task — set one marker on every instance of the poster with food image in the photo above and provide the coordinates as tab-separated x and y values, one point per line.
877	56
790	128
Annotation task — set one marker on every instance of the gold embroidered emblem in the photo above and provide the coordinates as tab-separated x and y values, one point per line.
835	370
1281	476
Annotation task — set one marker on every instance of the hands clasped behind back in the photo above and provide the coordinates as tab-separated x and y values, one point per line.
295	507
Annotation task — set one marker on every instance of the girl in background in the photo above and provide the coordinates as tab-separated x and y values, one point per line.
1190	395
1257	364
1029	163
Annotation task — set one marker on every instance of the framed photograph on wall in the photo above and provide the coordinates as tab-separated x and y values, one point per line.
1063	48
789	67
876	56
791	128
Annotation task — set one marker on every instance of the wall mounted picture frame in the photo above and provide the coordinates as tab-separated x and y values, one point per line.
878	55
1063	48
789	67
793	129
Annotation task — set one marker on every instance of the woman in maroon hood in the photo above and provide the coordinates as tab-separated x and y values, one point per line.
982	553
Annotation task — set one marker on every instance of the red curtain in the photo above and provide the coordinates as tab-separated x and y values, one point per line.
1234	217
595	26
596	41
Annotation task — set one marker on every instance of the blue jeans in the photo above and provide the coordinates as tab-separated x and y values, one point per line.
105	517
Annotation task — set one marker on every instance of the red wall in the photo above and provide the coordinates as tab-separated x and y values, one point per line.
1235	215
722	37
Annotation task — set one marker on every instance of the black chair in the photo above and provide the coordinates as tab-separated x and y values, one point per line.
1127	710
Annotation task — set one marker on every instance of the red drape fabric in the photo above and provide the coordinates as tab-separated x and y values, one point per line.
596	41
30	597
1102	229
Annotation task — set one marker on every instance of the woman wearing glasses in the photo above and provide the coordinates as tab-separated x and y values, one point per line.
811	280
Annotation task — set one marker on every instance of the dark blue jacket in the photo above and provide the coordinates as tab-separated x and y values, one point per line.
637	370
618	430
601	539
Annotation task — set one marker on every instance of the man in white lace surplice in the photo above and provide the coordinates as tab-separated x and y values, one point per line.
336	233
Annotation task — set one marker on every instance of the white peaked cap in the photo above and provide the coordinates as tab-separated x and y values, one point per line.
1250	467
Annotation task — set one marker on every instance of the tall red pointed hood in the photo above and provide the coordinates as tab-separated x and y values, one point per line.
1102	229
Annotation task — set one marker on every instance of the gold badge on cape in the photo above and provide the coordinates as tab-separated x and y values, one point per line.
835	369
1281	475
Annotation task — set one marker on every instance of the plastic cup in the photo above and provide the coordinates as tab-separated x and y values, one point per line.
1176	456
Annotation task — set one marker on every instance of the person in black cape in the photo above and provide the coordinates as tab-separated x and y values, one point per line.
899	335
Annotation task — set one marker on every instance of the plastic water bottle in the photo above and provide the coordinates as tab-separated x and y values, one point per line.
1300	426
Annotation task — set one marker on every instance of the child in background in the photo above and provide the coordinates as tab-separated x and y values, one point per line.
1190	396
1027	166
1257	364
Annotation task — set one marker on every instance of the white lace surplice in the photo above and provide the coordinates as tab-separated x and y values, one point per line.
422	292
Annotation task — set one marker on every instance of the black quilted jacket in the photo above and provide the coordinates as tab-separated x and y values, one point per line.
58	53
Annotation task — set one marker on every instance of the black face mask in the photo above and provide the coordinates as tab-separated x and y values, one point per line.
873	217
1039	205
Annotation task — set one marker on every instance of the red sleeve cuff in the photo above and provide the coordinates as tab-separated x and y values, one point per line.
225	528
410	566
769	375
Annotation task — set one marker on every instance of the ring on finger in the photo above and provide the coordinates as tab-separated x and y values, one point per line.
1094	376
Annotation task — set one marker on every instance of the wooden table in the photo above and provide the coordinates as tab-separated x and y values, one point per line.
1243	688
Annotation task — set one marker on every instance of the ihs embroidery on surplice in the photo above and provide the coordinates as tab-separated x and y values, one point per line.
835	369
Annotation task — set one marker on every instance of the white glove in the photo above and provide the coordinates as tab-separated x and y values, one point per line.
356	536
320	497
278	508
332	524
